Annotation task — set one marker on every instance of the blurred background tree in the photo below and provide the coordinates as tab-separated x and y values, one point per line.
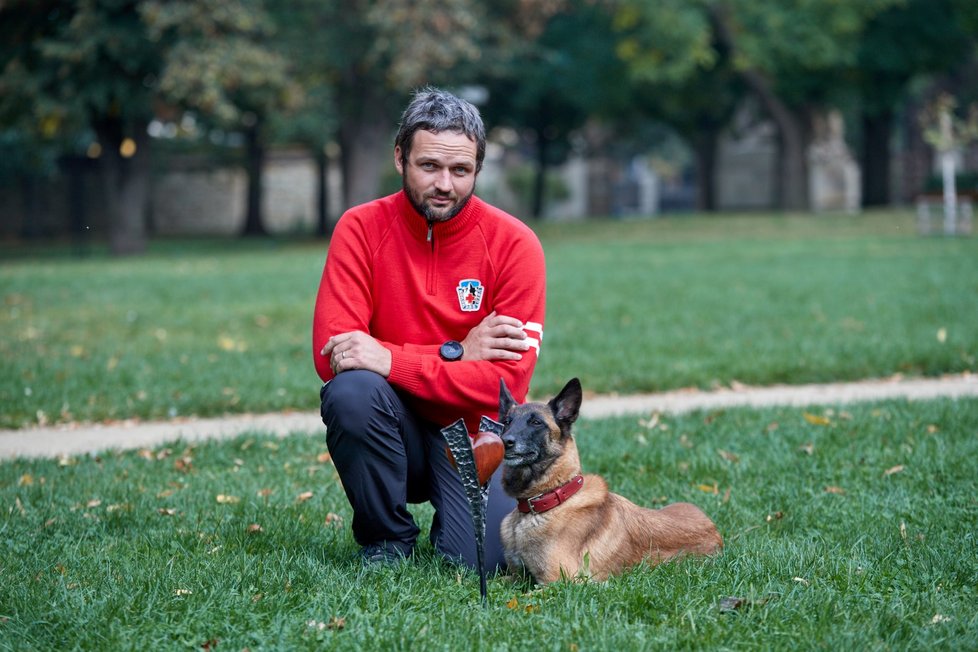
217	64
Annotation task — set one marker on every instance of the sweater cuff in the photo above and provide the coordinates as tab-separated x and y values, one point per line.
423	349
405	370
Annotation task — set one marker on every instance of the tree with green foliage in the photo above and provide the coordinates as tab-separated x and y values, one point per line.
107	66
549	84
74	66
313	124
896	46
218	65
682	76
788	53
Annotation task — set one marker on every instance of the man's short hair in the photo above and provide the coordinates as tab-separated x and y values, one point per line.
435	110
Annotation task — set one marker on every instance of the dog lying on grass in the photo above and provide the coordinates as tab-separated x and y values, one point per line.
568	524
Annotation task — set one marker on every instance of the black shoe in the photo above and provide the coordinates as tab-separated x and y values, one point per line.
383	554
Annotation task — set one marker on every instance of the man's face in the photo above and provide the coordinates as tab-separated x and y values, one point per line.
439	174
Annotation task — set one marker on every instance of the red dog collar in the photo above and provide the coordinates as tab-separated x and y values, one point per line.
543	502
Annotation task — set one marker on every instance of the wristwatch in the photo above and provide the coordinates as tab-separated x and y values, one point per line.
451	351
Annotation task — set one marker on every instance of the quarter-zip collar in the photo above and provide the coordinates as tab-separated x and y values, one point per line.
431	231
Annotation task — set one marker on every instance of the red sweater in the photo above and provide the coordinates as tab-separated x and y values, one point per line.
412	288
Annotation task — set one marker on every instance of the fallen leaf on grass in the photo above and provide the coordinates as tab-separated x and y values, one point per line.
336	623
303	497
513	603
228	343
807	448
835	490
254	528
183	464
942	335
730	457
323	458
939	618
95	502
893	469
26	480
709	488
166	511
334	519
264	493
776	516
183	592
209	644
732	603
801	580
816	420
225	499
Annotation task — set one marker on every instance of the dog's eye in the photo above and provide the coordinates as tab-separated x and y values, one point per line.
535	420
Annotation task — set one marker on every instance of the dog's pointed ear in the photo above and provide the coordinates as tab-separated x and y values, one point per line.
506	400
567	404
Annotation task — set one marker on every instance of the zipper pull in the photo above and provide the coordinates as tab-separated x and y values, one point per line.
431	228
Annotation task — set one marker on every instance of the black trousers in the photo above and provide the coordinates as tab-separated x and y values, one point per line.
388	457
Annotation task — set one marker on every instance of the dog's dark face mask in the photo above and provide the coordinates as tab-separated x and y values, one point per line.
536	432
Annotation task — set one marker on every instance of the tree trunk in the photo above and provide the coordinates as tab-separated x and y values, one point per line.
794	163
74	169
539	177
366	153
255	161
125	182
876	158
324	226
705	145
792	128
30	187
793	153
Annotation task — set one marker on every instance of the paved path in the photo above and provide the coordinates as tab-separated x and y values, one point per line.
76	439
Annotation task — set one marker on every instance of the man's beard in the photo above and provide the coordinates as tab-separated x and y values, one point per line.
429	212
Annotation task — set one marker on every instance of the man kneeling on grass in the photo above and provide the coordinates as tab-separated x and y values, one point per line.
428	297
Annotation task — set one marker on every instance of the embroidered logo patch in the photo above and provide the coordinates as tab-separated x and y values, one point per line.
470	292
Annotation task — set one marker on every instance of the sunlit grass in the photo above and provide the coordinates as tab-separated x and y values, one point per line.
845	529
214	326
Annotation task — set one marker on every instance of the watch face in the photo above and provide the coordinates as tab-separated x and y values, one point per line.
451	350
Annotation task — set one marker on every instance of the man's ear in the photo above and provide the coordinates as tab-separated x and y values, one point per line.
506	401
567	404
398	162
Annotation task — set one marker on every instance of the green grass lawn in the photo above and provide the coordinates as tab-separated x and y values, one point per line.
845	529
208	327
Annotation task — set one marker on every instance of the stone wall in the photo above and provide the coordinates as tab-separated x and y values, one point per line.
211	201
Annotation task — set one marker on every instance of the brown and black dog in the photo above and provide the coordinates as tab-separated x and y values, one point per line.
567	524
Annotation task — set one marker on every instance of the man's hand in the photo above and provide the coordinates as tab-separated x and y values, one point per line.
497	337
357	350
